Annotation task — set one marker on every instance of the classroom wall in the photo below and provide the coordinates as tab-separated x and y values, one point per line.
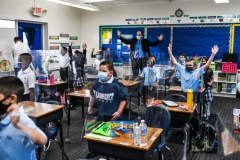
59	18
116	15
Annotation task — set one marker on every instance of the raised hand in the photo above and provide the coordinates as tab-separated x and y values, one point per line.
84	46
70	43
169	48
160	37
215	49
93	49
118	33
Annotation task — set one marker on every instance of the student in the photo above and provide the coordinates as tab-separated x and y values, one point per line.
19	136
27	76
107	94
190	76
177	76
64	61
208	80
100	50
149	74
78	61
98	60
108	54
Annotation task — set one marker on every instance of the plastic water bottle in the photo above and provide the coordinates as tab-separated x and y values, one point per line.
143	133
136	136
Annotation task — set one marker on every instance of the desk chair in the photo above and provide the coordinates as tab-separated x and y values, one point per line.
136	93
51	131
179	126
159	117
88	69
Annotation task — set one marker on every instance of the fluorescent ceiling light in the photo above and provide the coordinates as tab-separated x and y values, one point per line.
77	5
221	1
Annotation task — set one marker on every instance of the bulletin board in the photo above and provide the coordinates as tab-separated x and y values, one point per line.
235	39
191	39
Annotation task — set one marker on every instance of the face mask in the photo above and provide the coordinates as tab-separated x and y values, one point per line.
189	69
63	53
4	107
102	75
98	56
202	64
182	60
138	37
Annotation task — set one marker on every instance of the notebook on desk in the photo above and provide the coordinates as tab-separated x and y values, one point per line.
170	103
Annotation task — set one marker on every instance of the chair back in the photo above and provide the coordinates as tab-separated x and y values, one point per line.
88	69
157	116
176	97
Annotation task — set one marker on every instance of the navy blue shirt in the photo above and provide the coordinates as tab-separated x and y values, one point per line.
108	96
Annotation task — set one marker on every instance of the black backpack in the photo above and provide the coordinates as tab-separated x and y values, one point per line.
206	139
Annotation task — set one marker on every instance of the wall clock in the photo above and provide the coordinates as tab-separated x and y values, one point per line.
179	13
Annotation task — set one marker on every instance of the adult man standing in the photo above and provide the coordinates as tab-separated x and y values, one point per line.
17	49
140	51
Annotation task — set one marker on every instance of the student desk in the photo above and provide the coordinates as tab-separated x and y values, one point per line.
92	77
42	113
76	98
123	148
178	90
57	86
178	115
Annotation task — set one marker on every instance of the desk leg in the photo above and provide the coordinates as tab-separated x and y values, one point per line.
201	109
61	133
68	139
190	141
83	109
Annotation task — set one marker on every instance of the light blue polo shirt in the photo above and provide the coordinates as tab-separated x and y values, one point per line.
189	80
150	76
15	145
138	50
178	75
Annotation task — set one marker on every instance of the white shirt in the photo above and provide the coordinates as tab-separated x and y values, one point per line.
17	49
97	62
28	78
64	61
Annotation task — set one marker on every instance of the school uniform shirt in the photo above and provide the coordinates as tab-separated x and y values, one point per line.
150	76
189	80
108	96
28	78
177	75
14	144
17	49
97	63
64	61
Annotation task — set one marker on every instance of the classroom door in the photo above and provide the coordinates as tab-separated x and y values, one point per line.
31	34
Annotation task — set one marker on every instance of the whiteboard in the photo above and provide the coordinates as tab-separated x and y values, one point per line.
7	38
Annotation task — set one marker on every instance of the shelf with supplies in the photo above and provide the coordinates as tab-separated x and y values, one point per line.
225	84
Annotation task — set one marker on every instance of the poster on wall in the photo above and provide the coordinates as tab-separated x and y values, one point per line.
143	20
107	36
64	35
157	20
166	20
6	62
73	38
54	47
129	20
127	37
54	37
76	47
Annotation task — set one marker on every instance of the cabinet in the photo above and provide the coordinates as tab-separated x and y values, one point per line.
224	84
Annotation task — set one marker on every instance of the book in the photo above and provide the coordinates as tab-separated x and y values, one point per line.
121	128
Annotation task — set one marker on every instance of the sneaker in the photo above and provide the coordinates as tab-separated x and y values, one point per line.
208	113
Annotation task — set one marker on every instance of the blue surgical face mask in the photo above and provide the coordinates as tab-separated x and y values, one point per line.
98	56
63	53
182	60
138	37
102	75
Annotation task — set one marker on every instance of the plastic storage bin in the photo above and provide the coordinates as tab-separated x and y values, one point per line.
229	67
213	66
